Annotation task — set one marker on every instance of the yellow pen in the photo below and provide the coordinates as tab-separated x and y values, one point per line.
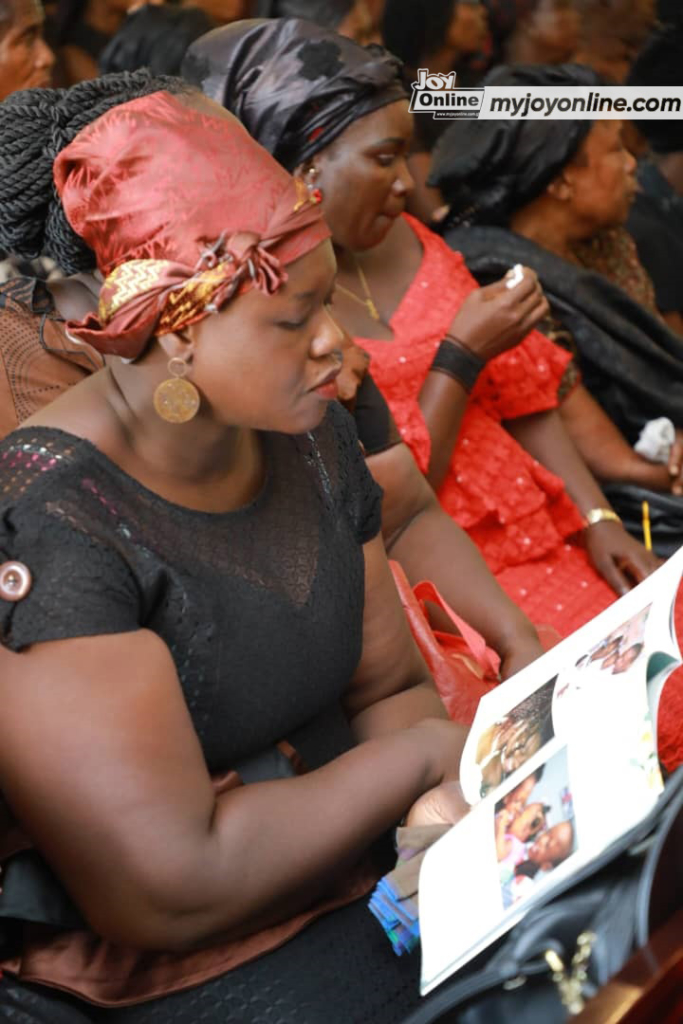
647	533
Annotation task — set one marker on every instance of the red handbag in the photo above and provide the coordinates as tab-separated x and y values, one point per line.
463	667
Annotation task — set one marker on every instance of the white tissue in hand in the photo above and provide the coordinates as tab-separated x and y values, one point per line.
655	440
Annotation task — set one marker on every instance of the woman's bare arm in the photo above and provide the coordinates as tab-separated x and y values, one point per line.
604	448
100	762
430	545
489	321
620	559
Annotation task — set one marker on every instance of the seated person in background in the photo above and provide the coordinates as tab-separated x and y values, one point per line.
80	30
656	217
26	62
528	192
612	34
37	360
196	585
547	32
155	36
340	118
351	18
436	36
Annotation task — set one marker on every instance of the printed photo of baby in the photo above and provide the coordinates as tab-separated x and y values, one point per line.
534	829
508	744
618	651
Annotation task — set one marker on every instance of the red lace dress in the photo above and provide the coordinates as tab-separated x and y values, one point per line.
516	511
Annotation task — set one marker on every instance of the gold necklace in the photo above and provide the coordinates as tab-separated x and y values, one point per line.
367	301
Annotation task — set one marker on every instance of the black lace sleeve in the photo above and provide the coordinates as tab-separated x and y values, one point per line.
375	424
79	587
361	495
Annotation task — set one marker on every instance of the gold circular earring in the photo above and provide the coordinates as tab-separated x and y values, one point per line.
176	400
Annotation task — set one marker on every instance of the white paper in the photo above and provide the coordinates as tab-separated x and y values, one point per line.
560	761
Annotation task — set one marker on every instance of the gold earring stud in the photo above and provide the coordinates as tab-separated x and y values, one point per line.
176	400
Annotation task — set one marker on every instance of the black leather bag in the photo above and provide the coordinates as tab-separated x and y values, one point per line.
666	515
569	946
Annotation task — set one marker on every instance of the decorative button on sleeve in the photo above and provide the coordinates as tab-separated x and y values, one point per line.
15	581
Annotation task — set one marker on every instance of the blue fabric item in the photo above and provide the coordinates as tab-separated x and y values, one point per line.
398	916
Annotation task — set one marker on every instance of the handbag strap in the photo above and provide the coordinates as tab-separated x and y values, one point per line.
487	658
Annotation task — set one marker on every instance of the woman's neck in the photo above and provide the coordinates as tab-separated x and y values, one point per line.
201	464
549	231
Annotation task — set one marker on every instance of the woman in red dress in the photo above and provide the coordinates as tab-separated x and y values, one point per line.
502	462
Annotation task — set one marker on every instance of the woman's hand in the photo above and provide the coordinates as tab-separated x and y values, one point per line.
524	648
443	805
620	559
496	318
675	465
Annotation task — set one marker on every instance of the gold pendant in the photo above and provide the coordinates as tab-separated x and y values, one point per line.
176	400
372	309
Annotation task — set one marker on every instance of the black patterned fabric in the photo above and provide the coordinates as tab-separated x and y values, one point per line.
294	85
288	568
340	970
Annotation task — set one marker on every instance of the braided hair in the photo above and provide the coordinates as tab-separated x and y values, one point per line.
35	126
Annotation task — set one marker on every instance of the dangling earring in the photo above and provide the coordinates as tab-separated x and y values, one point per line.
315	193
176	400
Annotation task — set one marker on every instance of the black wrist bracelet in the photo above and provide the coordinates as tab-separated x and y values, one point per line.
453	358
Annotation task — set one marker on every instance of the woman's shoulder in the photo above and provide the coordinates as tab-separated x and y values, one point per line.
38	458
58	525
25	294
48	478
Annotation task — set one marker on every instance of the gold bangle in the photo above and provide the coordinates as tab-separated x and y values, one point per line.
600	515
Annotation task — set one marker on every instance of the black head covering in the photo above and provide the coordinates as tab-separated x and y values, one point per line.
154	37
295	86
413	30
670	11
328	13
488	169
659	63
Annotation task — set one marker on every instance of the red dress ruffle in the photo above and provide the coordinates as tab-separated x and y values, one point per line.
516	511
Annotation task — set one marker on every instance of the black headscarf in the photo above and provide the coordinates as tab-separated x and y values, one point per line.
154	37
414	31
323	12
295	86
488	169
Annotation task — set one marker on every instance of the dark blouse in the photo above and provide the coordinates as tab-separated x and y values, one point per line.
656	223
261	607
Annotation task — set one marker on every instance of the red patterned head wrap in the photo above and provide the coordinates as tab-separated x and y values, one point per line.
181	208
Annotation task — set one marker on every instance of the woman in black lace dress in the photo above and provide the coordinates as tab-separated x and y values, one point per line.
213	710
